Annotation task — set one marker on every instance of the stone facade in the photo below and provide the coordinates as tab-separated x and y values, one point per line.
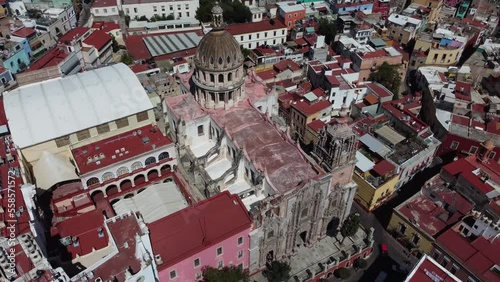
292	200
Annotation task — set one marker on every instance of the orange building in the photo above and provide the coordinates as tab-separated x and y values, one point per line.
290	13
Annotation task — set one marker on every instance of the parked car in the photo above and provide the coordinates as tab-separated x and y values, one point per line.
383	250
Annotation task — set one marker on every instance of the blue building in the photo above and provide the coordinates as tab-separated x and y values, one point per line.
16	54
343	8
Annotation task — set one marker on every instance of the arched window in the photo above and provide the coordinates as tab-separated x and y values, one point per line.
92	181
221	77
121	171
136	166
163	155
230	76
150	160
212	77
228	59
212	60
107	176
220	61
237	72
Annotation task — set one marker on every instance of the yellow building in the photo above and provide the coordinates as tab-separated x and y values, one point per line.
440	49
434	7
416	222
53	116
311	107
376	182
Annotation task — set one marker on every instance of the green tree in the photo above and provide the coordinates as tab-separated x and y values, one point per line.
328	29
170	17
342	273
278	271
234	11
225	274
350	226
388	76
360	263
127	59
143	19
245	52
114	45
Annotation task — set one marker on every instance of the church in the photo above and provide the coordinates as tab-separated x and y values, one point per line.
227	139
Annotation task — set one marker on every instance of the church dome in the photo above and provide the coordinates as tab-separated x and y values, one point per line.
218	51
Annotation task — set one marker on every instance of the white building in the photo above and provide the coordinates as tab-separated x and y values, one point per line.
149	8
252	35
66	15
75	111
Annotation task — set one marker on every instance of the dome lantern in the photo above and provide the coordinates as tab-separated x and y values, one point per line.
217	16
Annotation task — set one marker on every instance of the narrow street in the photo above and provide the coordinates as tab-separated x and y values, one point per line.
379	220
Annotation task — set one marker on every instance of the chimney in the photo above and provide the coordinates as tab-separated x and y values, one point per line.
158	260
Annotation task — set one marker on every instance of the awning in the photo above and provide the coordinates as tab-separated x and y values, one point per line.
322	9
53	169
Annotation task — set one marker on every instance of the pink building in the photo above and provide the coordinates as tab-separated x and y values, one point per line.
213	232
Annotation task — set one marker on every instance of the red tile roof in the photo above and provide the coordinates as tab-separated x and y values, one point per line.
75	33
371	99
3	117
477	256
24	32
431	217
286	64
181	235
123	146
428	270
99	39
301	41
123	230
105	26
84	227
267	74
465	167
104	3
139	68
311	108
379	90
52	58
383	167
316	125
265	25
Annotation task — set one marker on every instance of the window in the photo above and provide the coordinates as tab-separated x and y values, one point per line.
230	76
97	11
454	269
155	9
240	266
436	254
473	149
415	239
221	76
240	241
221	97
220	264
173	274
200	130
82	135
196	263
219	251
179	7
198	276
402	228
163	8
240	254
445	262
270	234
491	155
187	14
241	38
105	10
454	145
62	141
103	128
76	242
142	116
113	10
135	10
171	8
212	77
123	122
187	6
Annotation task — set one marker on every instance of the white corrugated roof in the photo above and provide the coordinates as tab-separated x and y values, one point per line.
375	145
50	109
156	202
